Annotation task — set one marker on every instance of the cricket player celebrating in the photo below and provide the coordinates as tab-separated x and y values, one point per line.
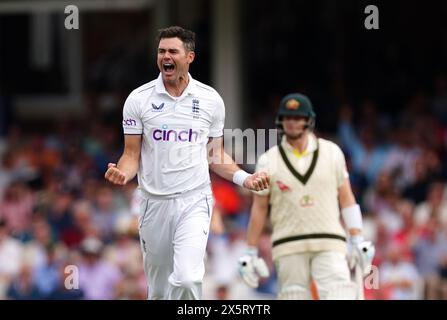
168	124
308	185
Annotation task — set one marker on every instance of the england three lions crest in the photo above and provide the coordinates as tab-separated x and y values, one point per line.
195	109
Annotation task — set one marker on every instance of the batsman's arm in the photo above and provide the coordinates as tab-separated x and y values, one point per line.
223	165
350	209
128	164
251	267
258	218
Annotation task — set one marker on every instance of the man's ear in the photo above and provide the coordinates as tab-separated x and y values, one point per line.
191	56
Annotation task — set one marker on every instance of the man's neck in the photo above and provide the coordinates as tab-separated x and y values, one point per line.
177	87
299	144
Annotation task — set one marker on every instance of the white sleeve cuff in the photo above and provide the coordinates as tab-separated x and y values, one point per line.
352	216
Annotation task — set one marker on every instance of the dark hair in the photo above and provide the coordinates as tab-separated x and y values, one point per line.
188	37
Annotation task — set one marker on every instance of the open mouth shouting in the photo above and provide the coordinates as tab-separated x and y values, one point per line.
168	68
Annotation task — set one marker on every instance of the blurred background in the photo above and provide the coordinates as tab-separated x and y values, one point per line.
380	94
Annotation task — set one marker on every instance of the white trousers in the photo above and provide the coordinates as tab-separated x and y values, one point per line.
329	270
173	237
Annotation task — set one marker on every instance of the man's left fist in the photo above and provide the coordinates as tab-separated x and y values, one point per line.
257	181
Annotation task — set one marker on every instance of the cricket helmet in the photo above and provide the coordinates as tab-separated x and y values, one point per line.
296	104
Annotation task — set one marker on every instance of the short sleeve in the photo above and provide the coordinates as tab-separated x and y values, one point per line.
263	165
132	123
340	166
218	120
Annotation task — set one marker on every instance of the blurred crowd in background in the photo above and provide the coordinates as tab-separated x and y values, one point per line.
56	209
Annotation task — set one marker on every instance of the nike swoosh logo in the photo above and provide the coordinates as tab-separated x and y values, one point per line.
204	232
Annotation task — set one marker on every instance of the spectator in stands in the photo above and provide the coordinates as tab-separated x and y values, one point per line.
23	287
417	191
10	258
105	213
400	161
97	277
366	154
16	208
399	278
407	232
380	197
435	207
430	251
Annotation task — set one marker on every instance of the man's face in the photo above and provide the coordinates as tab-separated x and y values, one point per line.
173	59
294	126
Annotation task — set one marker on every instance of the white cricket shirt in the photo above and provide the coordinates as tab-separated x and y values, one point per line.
175	134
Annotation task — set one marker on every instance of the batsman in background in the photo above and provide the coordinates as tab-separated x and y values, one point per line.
170	126
309	183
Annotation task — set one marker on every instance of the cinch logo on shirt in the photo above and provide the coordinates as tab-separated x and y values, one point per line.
164	134
129	122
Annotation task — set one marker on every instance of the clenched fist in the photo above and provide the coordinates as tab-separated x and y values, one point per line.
257	181
115	175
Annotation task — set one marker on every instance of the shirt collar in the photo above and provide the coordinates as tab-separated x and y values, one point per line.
191	88
311	144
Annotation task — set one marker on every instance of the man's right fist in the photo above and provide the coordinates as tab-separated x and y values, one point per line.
251	268
115	175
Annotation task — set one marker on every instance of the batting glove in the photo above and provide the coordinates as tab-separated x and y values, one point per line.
361	253
251	267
